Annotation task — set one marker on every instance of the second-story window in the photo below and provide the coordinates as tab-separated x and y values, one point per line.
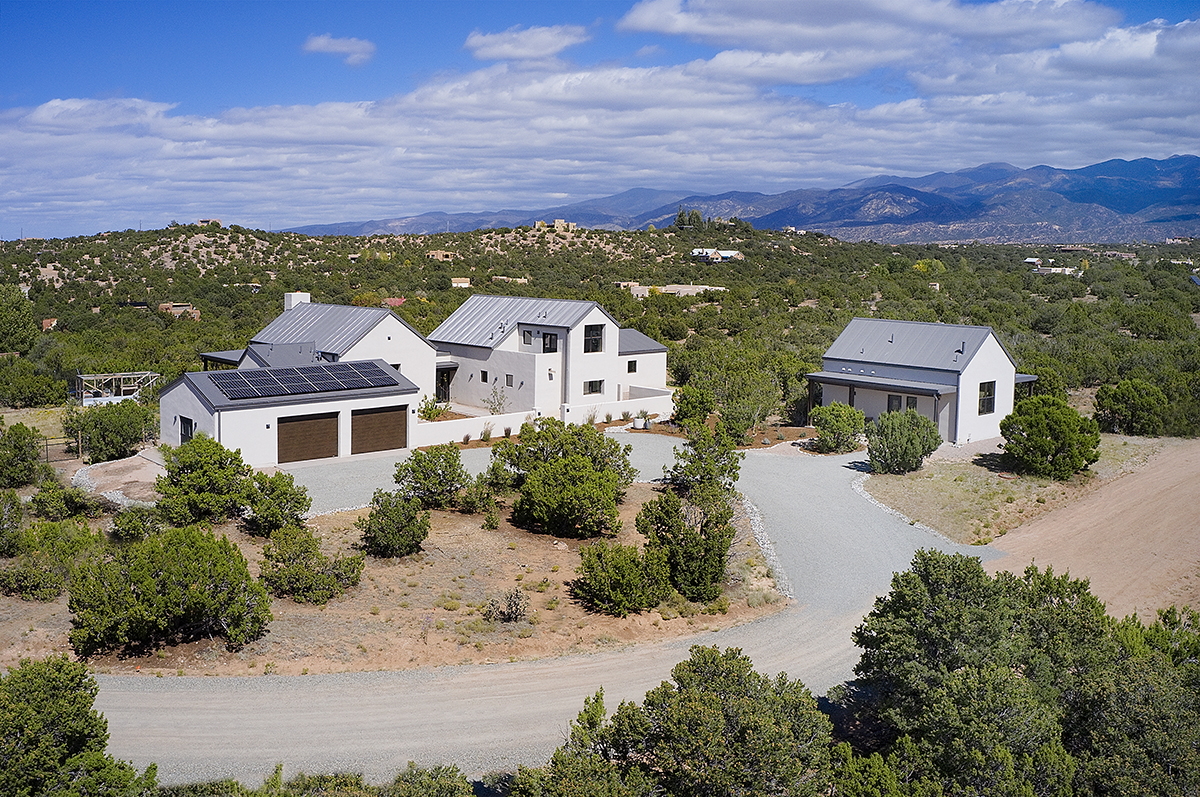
527	337
549	342
593	338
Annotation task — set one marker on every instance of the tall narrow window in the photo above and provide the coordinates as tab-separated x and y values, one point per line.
987	398
632	367
911	403
593	338
508	380
483	377
527	337
893	403
187	429
549	342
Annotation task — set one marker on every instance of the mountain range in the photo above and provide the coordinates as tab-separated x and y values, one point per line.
1116	200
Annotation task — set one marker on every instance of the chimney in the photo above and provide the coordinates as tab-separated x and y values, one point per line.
290	300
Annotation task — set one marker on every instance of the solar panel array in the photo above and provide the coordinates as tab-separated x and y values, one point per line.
269	382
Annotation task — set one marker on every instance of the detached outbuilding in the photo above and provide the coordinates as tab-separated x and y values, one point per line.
289	414
961	377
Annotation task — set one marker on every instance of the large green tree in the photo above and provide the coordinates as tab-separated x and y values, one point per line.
1045	436
204	482
1132	406
52	740
18	329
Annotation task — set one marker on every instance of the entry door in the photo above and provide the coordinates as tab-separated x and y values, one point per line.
304	437
442	384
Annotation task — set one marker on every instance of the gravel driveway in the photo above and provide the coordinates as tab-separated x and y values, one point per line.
835	550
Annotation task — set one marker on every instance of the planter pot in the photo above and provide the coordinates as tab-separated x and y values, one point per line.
639	423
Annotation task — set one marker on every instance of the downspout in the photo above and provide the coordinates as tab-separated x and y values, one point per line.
566	358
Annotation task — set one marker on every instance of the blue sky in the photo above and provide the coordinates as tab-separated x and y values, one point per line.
124	114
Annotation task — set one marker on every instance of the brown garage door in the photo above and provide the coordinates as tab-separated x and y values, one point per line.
308	437
380	429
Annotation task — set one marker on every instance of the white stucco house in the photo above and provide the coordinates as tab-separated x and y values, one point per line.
332	380
558	357
961	377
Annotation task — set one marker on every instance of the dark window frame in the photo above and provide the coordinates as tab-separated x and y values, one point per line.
987	397
593	387
483	377
631	367
549	343
593	338
894	402
189	425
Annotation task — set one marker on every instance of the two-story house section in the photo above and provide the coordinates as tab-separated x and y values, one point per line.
961	377
548	356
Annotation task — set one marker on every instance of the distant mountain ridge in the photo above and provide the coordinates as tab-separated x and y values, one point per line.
1116	200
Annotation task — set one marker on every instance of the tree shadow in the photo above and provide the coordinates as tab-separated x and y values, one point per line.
859	465
996	462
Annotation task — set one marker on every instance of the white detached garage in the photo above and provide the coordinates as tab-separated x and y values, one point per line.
278	415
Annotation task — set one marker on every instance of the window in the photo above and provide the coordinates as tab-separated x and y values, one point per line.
912	403
527	337
549	342
483	377
987	398
593	387
632	367
508	380
593	338
893	403
187	429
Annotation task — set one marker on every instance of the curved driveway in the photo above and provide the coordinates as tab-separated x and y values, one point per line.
835	548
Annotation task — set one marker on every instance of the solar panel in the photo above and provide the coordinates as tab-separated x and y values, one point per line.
270	382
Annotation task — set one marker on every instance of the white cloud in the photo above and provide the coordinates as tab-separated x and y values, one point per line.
357	51
524	44
508	136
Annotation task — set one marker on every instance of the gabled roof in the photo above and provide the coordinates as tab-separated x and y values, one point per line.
634	342
333	328
487	320
329	389
911	344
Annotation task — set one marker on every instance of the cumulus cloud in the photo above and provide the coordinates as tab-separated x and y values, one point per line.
506	136
525	44
357	51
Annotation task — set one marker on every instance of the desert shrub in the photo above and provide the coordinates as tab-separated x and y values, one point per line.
430	410
395	526
1045	436
707	468
618	579
23	385
53	738
108	431
693	404
181	584
432	477
274	502
136	523
19	453
204	482
53	501
509	608
478	496
294	567
569	498
45	555
696	543
838	427
1132	406
438	781
898	442
548	439
11	516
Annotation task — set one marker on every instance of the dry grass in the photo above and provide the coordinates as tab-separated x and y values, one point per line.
975	502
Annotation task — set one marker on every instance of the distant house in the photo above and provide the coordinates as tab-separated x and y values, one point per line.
49	324
960	377
392	301
717	255
441	254
178	309
642	291
460	282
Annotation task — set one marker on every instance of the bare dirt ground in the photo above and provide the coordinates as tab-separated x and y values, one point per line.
1128	524
422	610
1135	537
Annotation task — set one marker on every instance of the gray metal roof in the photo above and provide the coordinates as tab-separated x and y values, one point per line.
881	383
334	328
487	320
229	357
282	355
201	381
634	342
913	344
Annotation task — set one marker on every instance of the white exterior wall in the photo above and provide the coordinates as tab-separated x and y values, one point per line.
606	364
394	343
989	363
181	400
651	372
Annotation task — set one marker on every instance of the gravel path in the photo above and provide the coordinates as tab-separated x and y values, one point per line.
835	549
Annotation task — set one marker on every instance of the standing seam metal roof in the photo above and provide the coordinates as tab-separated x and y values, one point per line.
334	328
912	344
486	320
631	341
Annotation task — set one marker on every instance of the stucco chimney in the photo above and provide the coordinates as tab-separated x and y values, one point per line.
290	300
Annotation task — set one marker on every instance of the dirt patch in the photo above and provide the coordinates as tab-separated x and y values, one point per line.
974	500
425	610
1133	537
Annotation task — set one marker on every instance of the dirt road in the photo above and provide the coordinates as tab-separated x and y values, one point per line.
1136	539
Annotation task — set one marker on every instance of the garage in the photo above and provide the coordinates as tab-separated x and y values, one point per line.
304	437
378	429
